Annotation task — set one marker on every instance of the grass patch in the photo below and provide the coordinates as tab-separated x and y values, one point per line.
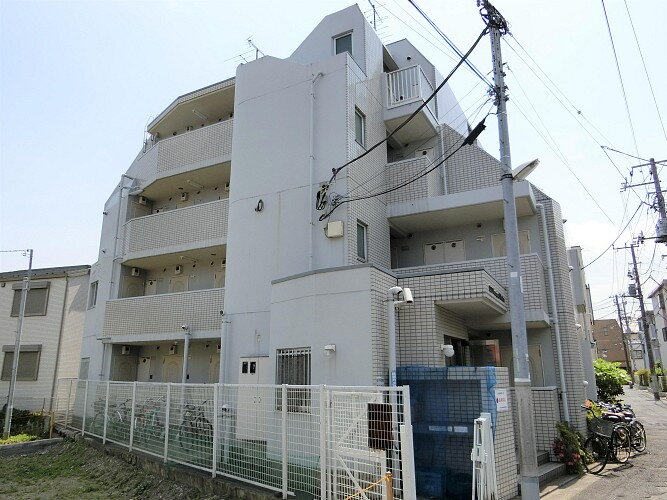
19	438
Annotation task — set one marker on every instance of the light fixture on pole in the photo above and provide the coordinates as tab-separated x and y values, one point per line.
392	303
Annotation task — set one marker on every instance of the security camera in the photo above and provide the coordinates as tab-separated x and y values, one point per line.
407	296
185	327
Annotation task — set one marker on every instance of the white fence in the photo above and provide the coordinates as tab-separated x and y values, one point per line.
319	441
407	85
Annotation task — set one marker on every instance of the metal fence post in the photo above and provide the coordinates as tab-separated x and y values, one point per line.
407	449
85	408
284	440
106	416
69	397
134	400
323	447
166	422
216	427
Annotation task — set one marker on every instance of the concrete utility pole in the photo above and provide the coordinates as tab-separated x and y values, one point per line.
628	359
17	348
530	488
658	191
645	328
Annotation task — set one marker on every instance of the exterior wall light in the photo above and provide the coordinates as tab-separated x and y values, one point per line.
329	348
447	350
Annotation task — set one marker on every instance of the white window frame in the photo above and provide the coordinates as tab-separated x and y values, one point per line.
364	228
343	35
298	398
92	294
360	114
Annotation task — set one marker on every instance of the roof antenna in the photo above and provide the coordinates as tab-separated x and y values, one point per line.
252	45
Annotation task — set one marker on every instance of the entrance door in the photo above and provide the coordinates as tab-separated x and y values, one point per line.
144	370
178	284
434	253
454	251
172	369
214	369
124	368
534	364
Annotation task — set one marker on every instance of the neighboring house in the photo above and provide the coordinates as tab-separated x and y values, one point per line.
659	297
608	336
51	335
583	309
218	214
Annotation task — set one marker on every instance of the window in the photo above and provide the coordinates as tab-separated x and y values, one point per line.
362	241
343	43
605	331
664	334
637	354
92	294
36	300
359	127
499	248
293	368
28	362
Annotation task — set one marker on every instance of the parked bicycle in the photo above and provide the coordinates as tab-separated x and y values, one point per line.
117	417
148	421
610	439
618	412
195	432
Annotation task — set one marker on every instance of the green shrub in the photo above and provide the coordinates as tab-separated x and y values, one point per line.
567	448
19	438
644	376
609	378
25	422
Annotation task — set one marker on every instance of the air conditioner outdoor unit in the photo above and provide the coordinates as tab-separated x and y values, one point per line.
143	200
226	186
178	270
184	196
125	349
172	349
136	271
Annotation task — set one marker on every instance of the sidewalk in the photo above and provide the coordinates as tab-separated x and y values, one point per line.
645	475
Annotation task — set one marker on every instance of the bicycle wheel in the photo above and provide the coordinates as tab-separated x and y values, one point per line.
621	444
638	435
596	452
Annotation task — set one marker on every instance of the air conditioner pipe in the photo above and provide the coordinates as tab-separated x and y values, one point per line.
311	165
554	312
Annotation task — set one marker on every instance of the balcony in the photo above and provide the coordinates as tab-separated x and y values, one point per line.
407	89
159	317
174	231
463	281
400	172
192	150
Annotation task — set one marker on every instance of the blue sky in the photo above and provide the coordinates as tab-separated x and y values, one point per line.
80	80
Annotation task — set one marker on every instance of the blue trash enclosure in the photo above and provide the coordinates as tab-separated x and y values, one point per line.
444	402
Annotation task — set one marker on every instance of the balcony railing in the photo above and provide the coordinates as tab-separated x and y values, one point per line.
176	230
408	85
196	149
163	315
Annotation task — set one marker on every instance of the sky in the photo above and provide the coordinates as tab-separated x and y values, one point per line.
80	80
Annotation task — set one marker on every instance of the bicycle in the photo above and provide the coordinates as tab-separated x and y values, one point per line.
608	440
627	414
148	425
195	432
117	418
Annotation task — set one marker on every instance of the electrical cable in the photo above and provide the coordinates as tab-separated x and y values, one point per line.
421	106
648	78
620	77
615	239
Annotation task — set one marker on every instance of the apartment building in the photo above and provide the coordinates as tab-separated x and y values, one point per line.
658	297
51	335
611	345
212	238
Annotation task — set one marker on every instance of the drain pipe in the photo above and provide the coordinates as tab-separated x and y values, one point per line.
186	353
311	165
224	330
554	312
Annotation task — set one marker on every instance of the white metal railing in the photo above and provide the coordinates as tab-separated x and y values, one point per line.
407	85
347	440
181	226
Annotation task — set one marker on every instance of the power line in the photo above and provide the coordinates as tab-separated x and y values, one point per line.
620	77
615	239
648	78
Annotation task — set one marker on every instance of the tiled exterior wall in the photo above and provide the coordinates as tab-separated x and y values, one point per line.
164	314
570	345
546	414
402	171
189	150
532	271
470	168
183	226
503	443
380	283
367	174
70	344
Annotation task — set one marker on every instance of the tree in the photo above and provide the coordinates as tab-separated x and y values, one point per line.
609	378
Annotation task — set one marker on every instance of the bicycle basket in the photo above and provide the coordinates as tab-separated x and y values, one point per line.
602	427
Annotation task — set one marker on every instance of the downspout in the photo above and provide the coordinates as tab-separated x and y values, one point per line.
116	236
554	315
311	164
60	339
186	354
224	330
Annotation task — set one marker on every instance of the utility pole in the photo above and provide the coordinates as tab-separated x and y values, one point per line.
629	330
628	359
530	488
17	349
645	328
661	228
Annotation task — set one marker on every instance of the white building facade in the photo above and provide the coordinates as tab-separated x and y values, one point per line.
213	232
51	334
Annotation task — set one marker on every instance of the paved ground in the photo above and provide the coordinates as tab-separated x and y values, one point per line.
645	475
